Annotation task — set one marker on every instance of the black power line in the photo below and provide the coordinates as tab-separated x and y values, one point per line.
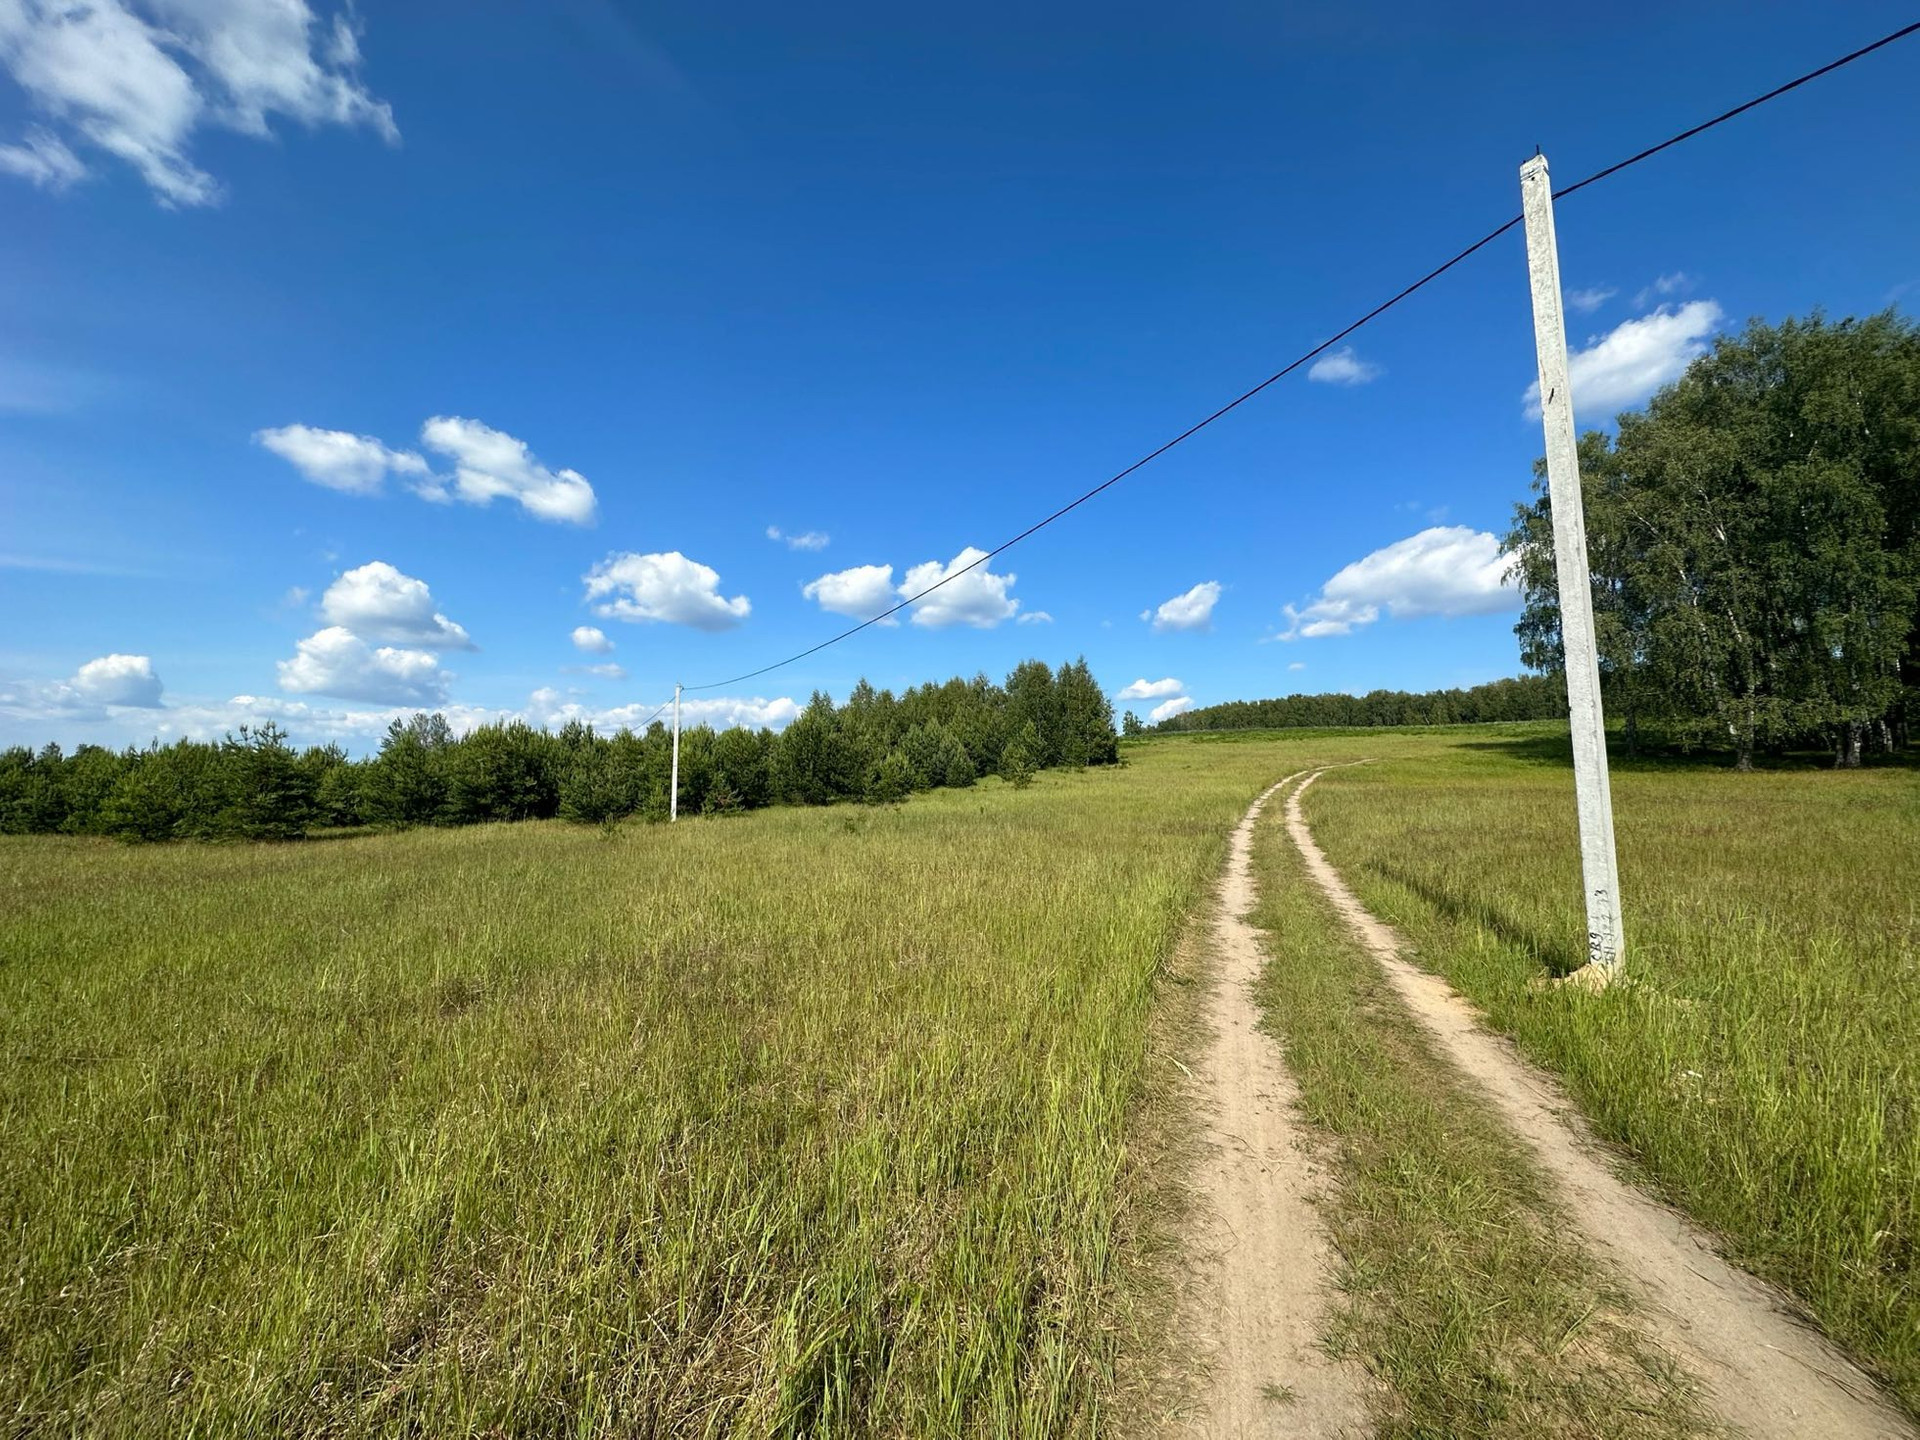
1322	347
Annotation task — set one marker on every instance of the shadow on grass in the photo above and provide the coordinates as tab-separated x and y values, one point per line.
1555	954
1557	751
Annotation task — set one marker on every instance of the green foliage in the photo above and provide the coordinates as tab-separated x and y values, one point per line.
501	772
1017	762
891	781
255	787
269	795
955	766
1754	543
408	783
1525	697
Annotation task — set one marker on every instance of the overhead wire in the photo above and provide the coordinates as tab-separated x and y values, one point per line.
1316	351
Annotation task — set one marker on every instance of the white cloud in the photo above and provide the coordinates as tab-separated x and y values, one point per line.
1343	367
44	159
1636	358
337	662
41	713
975	596
811	540
377	602
490	464
1298	665
1178	706
667	587
861	592
1145	689
592	639
1448	570
339	459
137	78
609	671
551	709
118	680
112	682
1678	283
1590	300
1191	611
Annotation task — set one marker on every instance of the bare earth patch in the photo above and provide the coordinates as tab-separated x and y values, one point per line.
1260	1311
1764	1371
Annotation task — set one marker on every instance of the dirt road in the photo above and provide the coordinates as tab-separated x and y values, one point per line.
1260	1307
1763	1370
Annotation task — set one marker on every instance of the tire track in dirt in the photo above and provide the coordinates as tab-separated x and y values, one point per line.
1762	1368
1260	1309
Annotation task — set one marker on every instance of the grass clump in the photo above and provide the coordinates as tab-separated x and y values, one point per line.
1463	1286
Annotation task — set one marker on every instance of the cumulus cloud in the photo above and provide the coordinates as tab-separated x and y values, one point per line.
861	592
377	602
1145	689
490	464
592	639
1178	706
552	709
970	596
135	79
1637	357
1448	570
609	671
665	587
1589	300
339	459
811	540
975	596
337	662
118	680
1190	611
1343	367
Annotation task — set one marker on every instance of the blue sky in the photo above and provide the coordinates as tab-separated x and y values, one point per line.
353	361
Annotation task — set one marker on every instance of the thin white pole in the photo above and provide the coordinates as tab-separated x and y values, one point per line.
673	796
1606	941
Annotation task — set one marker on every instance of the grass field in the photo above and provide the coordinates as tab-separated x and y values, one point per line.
812	1120
825	1121
1760	1067
1464	1284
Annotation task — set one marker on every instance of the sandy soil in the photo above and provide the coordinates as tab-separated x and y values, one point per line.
1763	1370
1260	1306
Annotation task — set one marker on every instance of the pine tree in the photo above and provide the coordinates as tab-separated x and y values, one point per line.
1017	760
892	780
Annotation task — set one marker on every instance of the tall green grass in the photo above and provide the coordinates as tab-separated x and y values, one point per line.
813	1121
1760	1066
1465	1287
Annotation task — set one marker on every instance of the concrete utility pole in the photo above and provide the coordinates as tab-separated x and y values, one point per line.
673	795
1606	942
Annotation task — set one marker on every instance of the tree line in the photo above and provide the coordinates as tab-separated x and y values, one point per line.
1526	697
1754	541
876	747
